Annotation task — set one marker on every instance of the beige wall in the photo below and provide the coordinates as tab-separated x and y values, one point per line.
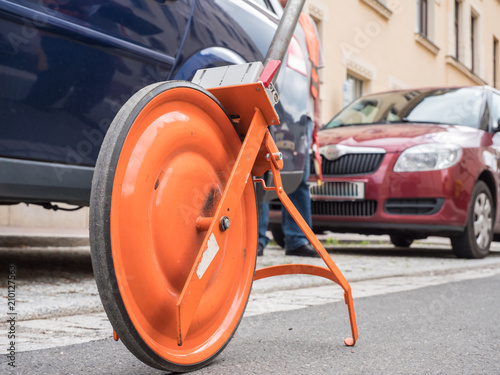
22	215
381	46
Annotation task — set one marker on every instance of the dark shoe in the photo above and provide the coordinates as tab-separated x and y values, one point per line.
303	251
260	250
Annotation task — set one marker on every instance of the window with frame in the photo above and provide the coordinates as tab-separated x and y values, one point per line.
495	62
423	18
474	20
457	29
353	89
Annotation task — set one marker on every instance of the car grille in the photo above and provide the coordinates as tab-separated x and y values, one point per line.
413	206
360	208
351	164
337	189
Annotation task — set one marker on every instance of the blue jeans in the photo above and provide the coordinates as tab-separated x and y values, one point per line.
263	223
294	237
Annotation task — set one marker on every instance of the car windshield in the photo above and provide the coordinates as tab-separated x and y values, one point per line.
437	106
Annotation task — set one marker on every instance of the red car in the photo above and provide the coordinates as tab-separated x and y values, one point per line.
411	164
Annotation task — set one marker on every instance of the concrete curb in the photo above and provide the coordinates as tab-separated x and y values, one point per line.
59	240
67	237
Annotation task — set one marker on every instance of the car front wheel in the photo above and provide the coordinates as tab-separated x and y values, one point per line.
475	241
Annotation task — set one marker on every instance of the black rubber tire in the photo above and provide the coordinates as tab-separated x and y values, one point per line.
278	234
465	245
100	237
400	241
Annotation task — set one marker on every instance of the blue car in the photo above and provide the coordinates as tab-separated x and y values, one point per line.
66	68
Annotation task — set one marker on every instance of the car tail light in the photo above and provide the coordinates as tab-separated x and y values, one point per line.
296	59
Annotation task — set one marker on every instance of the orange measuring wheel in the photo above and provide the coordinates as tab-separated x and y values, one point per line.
173	221
162	169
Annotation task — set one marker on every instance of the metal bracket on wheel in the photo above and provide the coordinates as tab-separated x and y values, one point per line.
332	272
258	154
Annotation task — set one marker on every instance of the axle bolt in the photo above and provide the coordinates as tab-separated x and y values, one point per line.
224	223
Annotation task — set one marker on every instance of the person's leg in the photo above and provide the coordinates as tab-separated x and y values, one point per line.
296	243
263	223
294	237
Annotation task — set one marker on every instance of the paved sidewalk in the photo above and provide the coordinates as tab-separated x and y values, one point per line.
58	302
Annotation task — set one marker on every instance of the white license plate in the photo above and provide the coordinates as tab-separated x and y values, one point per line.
337	190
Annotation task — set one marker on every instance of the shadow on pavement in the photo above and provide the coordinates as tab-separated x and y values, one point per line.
42	263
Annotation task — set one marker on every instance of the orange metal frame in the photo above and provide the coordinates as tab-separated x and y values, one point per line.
258	153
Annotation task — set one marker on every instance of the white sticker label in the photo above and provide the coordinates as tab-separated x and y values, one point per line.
208	256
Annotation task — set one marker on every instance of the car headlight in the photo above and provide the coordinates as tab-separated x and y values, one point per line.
428	157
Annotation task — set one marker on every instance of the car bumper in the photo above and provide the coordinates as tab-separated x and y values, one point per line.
433	202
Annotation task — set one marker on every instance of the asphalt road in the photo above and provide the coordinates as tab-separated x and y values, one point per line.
452	328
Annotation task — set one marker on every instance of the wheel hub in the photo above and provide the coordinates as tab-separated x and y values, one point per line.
482	220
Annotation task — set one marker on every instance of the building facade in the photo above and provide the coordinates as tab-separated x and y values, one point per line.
378	45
